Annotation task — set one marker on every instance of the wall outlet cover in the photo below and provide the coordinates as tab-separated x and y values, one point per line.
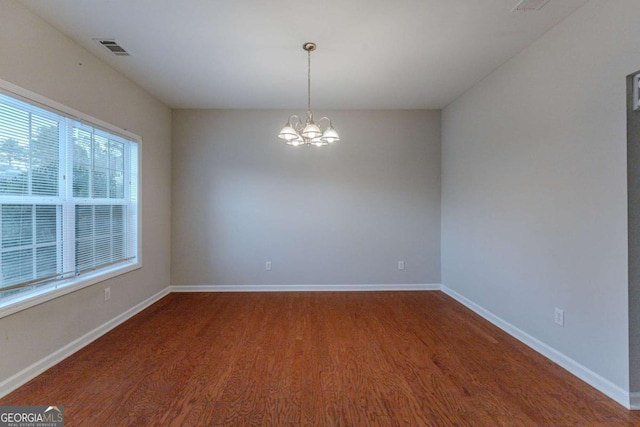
559	316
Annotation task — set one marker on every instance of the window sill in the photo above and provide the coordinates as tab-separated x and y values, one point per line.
14	304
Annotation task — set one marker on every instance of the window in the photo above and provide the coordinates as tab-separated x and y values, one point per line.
68	200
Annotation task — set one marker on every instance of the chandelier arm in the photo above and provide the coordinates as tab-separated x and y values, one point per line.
324	118
295	123
294	116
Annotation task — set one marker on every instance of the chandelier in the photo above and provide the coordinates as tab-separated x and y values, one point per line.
296	133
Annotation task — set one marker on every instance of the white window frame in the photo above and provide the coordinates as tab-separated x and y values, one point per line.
41	294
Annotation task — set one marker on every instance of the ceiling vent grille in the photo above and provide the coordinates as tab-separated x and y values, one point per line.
530	5
113	47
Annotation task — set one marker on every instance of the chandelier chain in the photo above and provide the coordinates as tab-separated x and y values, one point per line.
309	80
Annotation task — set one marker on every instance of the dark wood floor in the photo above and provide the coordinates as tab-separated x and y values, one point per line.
298	359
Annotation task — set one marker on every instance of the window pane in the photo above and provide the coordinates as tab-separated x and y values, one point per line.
118	246
44	181
14	180
103	250
14	150
14	158
116	156
29	153
81	163
103	220
116	185
44	137
17	266
100	234
46	223
81	147
17	225
81	180
14	123
84	254
84	222
44	156
46	261
18	246
117	224
100	181
100	151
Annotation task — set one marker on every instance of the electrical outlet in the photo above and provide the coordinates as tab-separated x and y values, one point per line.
400	265
559	317
267	265
107	294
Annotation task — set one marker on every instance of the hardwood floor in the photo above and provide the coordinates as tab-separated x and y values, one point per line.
315	359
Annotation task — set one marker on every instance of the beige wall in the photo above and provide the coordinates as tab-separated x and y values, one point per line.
36	57
344	214
534	188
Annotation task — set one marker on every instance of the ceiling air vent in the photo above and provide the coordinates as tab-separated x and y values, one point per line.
530	5
113	47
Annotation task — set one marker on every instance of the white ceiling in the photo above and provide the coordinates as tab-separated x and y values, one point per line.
372	54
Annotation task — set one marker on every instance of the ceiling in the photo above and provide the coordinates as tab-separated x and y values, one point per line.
245	54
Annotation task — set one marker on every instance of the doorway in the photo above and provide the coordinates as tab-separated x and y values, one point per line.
633	212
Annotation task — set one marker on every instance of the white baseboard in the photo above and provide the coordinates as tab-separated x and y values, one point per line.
596	381
305	288
634	401
32	371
